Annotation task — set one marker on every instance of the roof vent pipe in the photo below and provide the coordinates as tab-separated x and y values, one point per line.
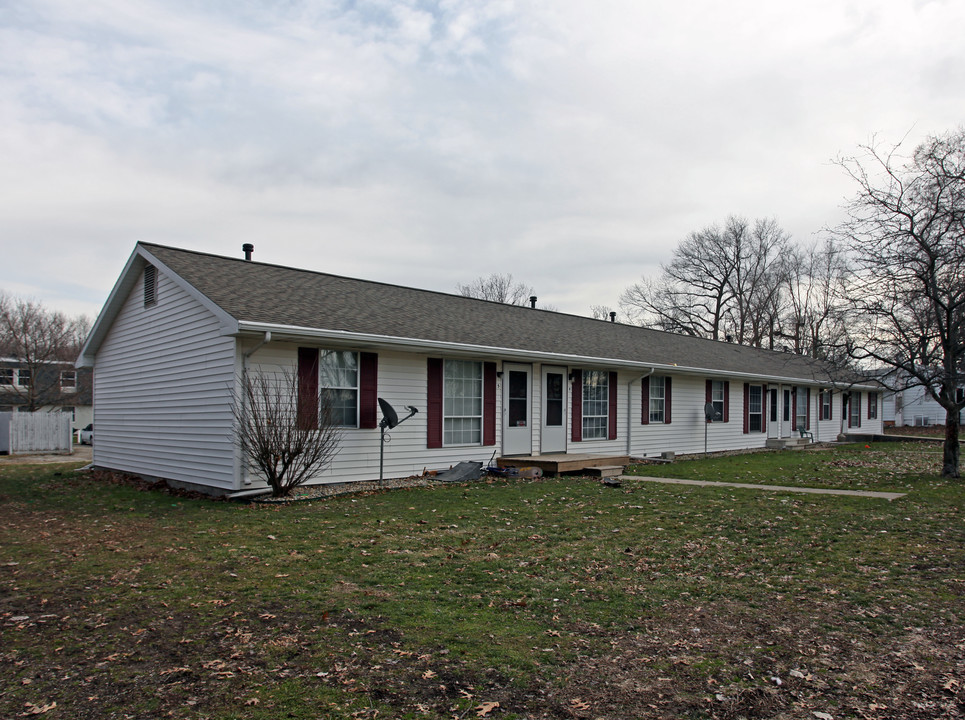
248	248
613	316
532	301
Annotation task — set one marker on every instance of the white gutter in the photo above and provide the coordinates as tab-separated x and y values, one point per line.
415	344
265	340
248	493
630	407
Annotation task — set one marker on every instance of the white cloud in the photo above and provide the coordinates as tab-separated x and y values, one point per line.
571	143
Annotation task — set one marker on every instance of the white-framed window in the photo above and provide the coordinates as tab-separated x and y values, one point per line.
717	398
872	406
854	419
72	411
338	380
6	376
68	380
23	377
755	408
825	405
462	402
658	398
801	416
596	404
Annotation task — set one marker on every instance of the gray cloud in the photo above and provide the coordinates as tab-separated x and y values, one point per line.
571	144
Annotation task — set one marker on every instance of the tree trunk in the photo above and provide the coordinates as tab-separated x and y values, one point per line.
951	450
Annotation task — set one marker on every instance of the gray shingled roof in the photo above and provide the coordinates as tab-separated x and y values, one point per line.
262	293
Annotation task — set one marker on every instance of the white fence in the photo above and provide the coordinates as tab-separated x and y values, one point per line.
39	432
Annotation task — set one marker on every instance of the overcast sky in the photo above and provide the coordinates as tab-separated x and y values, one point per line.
572	143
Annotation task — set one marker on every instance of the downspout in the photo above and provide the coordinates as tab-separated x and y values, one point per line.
630	408
245	480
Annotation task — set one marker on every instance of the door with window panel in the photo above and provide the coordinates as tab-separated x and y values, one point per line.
517	410
553	428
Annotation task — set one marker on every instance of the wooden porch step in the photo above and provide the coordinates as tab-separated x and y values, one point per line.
557	463
605	471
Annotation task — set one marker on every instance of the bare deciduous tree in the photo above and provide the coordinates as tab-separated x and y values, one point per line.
286	438
41	343
756	283
501	288
720	281
906	234
815	318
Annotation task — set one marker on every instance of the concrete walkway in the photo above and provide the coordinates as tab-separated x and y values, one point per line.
81	453
773	488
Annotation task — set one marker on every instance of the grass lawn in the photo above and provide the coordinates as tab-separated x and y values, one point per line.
555	598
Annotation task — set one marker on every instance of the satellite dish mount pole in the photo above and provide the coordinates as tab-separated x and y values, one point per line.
389	420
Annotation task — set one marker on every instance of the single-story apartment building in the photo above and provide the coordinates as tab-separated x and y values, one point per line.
180	328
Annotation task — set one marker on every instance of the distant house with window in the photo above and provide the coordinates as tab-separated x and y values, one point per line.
912	405
489	379
47	387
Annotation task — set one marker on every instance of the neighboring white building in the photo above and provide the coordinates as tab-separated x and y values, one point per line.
58	387
488	379
912	407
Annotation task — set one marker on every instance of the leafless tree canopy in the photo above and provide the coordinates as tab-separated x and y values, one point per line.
41	342
747	282
906	236
814	316
721	281
497	288
284	438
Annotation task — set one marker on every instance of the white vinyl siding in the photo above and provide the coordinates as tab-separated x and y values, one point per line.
162	391
686	433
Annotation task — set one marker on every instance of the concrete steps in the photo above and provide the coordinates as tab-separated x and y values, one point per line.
792	443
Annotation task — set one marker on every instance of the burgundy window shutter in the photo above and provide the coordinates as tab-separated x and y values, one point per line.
726	400
489	403
807	395
869	406
709	394
368	390
612	407
847	408
747	408
667	398
576	429
793	408
645	401
857	399
307	388
434	403
764	408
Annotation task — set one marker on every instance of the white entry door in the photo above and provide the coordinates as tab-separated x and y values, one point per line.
553	427
773	412
517	410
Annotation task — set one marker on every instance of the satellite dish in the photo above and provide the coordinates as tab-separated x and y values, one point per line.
390	418
710	413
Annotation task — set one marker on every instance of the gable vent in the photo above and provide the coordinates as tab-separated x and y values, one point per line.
150	285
